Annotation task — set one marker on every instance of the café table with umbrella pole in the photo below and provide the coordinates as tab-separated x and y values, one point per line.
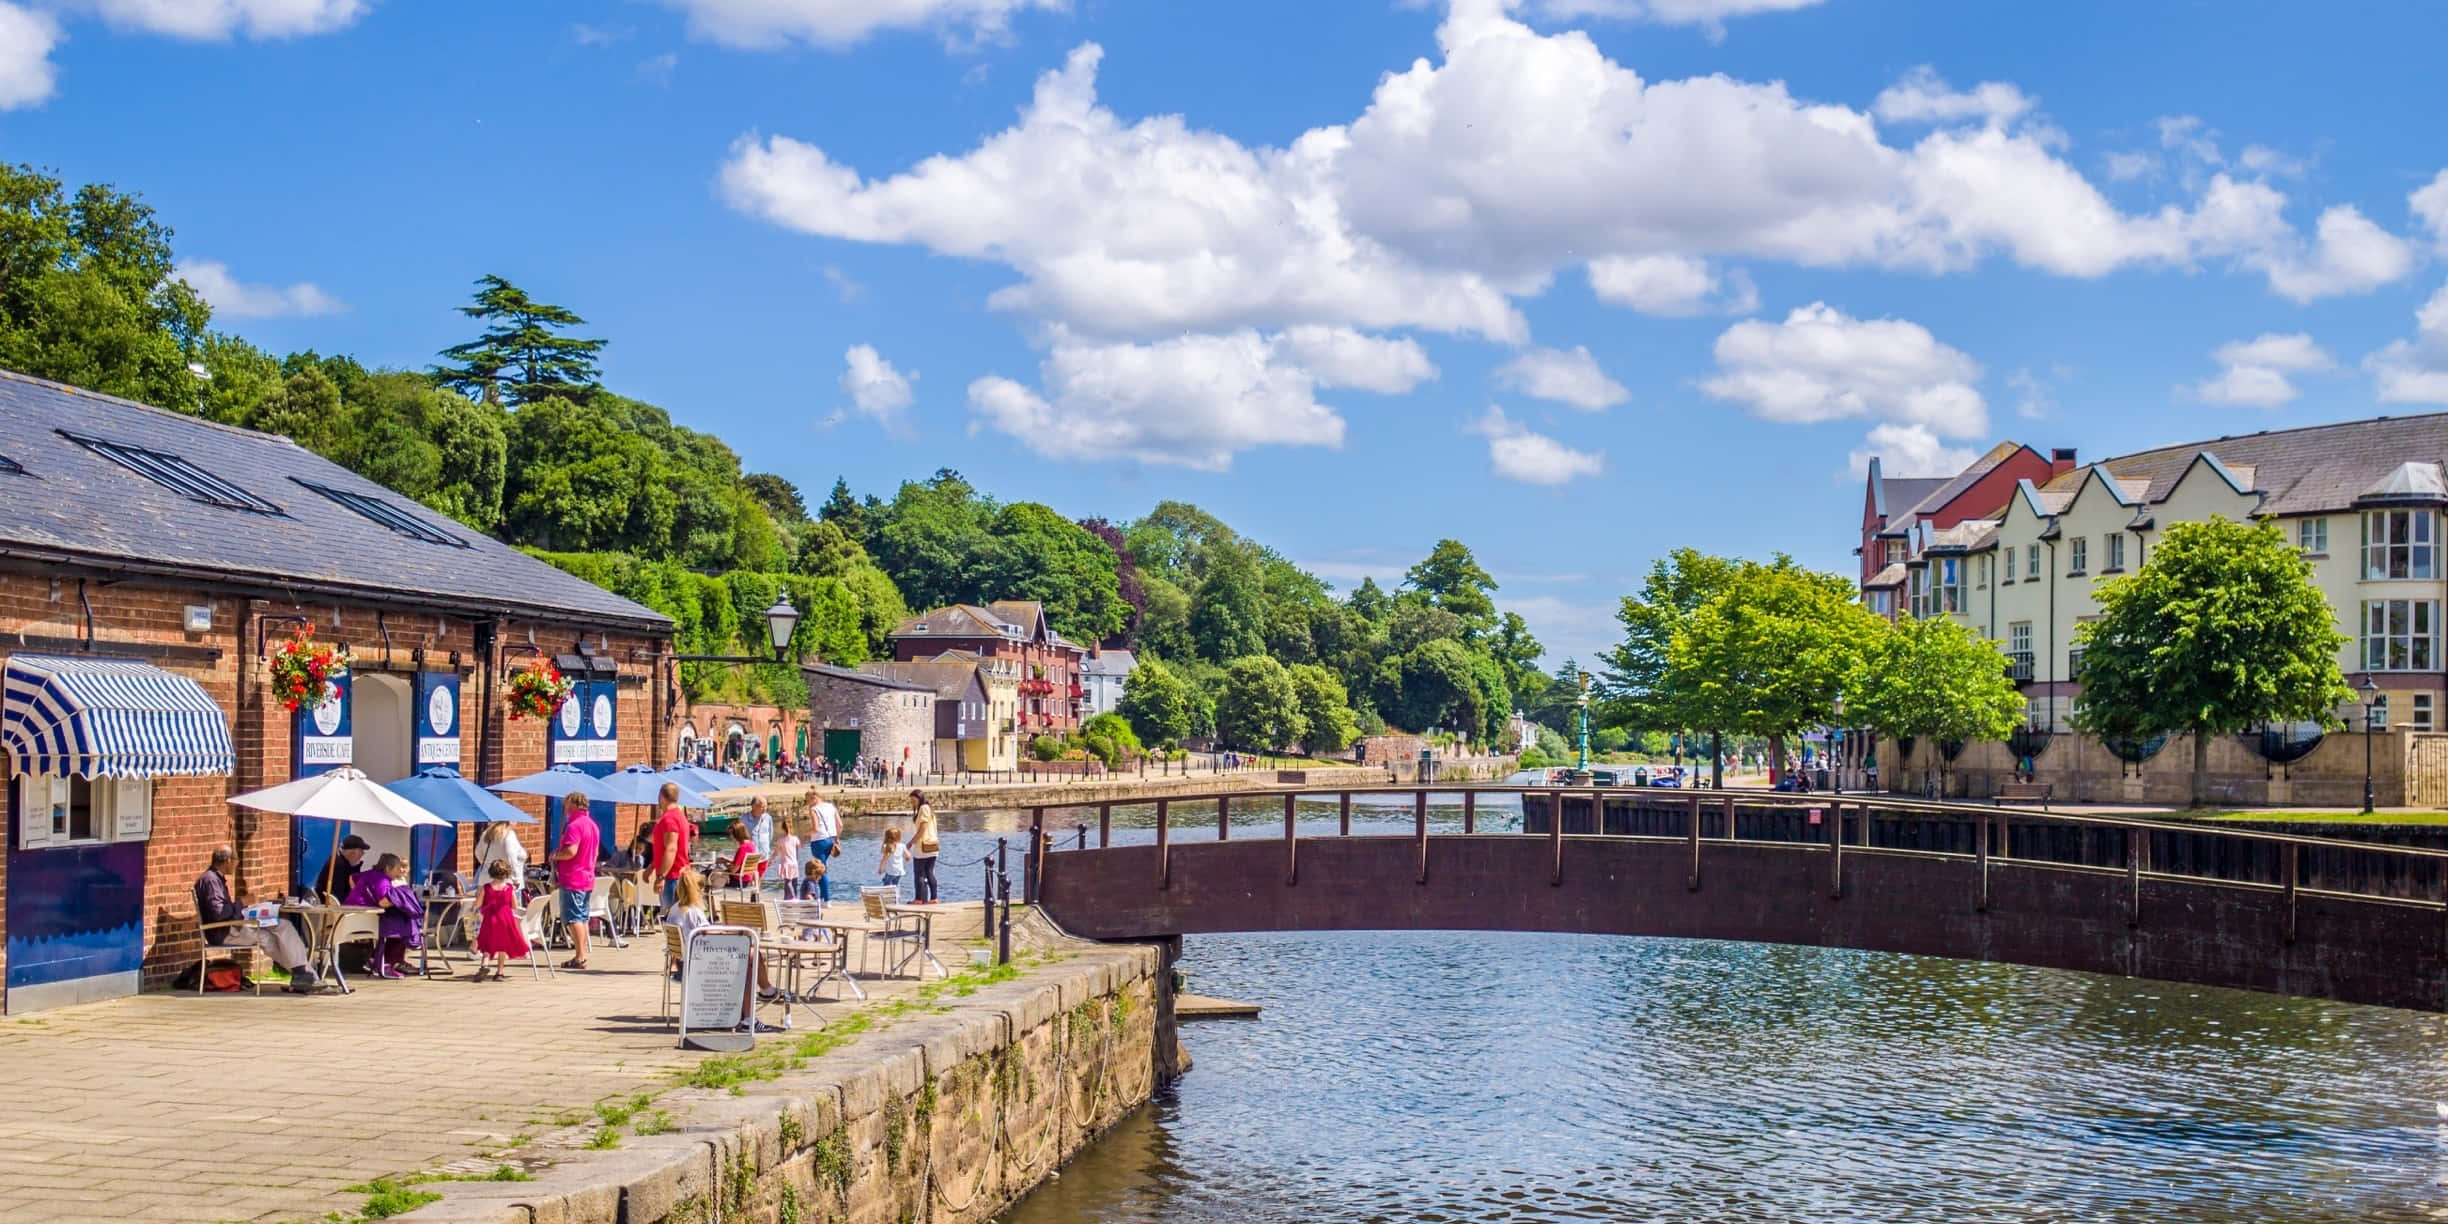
339	795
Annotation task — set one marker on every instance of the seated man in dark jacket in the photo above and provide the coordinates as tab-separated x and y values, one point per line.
214	903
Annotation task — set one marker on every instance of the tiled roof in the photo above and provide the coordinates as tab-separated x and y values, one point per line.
1950	488
2309	470
949	679
1892	576
1970	535
826	671
956	621
72	502
1026	613
1902	493
1109	663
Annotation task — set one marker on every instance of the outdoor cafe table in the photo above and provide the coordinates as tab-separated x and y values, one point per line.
794	955
925	916
322	922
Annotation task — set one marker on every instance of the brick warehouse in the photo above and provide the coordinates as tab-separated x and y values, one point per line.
132	533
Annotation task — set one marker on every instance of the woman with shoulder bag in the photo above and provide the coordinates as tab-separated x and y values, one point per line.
923	849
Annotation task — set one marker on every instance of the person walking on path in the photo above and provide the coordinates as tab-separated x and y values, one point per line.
824	839
923	849
671	843
894	862
498	937
574	871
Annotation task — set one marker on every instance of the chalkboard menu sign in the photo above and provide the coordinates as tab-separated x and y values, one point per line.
717	979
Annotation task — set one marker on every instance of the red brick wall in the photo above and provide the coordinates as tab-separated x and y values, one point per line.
191	816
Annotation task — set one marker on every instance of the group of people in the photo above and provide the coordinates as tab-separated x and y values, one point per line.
798	851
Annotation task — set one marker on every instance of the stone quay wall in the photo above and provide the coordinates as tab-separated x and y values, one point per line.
946	1118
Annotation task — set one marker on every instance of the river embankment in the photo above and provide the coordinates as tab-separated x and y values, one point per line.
946	1107
1059	791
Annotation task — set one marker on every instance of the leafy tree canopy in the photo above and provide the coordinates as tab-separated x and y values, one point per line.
1259	706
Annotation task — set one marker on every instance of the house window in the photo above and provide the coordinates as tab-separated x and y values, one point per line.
2400	634
2116	552
2018	637
1950	584
54	811
1984	573
1895	552
2312	535
2422	711
2398	544
2379	707
2031	565
2078	555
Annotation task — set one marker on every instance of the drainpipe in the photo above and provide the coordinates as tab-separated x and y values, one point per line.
2052	633
487	713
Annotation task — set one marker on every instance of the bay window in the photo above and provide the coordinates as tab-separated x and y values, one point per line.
2399	544
2400	634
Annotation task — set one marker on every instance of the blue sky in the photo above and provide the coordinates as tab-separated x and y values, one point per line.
1573	281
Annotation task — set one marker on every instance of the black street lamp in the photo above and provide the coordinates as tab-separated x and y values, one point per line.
781	621
2371	723
1836	744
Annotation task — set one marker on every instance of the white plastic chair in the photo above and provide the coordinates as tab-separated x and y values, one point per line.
537	922
599	909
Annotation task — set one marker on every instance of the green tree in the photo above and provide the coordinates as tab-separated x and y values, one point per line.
1438	686
1370	601
1228	610
1634	672
1164	624
1768	654
779	497
1157	704
2220	631
1325	708
930	538
1934	680
1109	738
88	295
1450	578
522	355
844	513
1258	706
1033	553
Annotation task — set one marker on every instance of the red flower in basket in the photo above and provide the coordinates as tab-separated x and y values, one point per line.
537	691
305	671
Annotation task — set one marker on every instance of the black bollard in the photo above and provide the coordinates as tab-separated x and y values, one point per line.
1083	837
1003	885
986	895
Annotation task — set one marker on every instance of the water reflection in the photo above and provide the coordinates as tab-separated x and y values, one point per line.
1548	1077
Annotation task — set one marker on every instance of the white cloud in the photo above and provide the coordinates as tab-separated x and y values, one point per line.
1341	357
876	390
2351	255
1670	285
1565	377
2415	371
2261	159
843	287
598	36
1708	15
1517	453
2035	391
213	20
1822	365
1923	97
2255	373
657	69
2128	166
1193	401
26	73
1910	450
2429	204
842	23
238	299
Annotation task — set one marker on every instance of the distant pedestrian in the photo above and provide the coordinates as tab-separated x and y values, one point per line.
824	840
761	828
786	861
923	848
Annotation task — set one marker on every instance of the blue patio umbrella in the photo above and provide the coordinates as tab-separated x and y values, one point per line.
699	778
560	782
642	785
439	789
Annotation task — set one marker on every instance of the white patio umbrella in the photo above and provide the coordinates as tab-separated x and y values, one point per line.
339	795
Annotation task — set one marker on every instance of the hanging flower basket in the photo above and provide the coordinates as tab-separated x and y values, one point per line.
304	671
537	690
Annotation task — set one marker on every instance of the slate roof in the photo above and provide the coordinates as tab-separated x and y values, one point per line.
1952	487
1892	576
2313	469
950	679
826	671
1970	535
954	621
72	504
1109	663
1028	614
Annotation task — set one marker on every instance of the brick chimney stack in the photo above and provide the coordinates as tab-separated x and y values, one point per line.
2061	461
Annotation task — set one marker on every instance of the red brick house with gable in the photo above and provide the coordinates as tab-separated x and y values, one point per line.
1900	514
1051	699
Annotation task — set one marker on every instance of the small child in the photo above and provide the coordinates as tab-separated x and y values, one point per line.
786	860
498	937
895	859
688	909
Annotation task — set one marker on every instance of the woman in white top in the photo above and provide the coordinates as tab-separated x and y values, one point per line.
500	841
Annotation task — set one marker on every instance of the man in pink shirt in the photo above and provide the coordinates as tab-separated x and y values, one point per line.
574	871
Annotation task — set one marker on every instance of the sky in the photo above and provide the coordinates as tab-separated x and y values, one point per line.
1573	281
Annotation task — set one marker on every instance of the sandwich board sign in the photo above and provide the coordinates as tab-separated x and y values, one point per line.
717	985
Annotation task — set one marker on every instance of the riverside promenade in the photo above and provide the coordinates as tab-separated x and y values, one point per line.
239	1108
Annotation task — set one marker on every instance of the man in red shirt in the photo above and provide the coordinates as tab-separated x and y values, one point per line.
671	842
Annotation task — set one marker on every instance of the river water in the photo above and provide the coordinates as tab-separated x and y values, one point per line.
1534	1078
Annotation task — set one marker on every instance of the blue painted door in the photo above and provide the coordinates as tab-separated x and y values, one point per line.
320	742
437	743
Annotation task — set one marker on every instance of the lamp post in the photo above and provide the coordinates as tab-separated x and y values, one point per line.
2371	724
1836	744
1582	764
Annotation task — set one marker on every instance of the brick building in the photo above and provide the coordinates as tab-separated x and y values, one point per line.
730	734
1900	515
185	550
1052	702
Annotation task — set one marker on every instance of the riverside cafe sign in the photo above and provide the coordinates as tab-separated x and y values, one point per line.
717	981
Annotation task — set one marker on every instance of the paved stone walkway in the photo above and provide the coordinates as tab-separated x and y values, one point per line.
232	1107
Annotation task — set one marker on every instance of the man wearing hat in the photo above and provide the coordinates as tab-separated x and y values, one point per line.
346	864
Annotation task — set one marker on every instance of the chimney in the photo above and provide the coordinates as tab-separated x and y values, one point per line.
2061	461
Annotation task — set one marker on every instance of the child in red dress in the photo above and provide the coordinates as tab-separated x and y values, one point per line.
498	936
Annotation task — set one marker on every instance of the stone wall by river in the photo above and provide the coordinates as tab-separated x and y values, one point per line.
946	1117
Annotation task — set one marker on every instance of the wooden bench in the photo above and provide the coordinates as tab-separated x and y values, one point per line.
2023	792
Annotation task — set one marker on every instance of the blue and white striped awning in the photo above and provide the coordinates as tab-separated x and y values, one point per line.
110	718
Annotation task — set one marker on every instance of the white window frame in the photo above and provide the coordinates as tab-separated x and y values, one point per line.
117	810
2312	536
2388	557
2116	551
2078	555
2380	703
2018	637
2031	565
2422	711
2401	635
